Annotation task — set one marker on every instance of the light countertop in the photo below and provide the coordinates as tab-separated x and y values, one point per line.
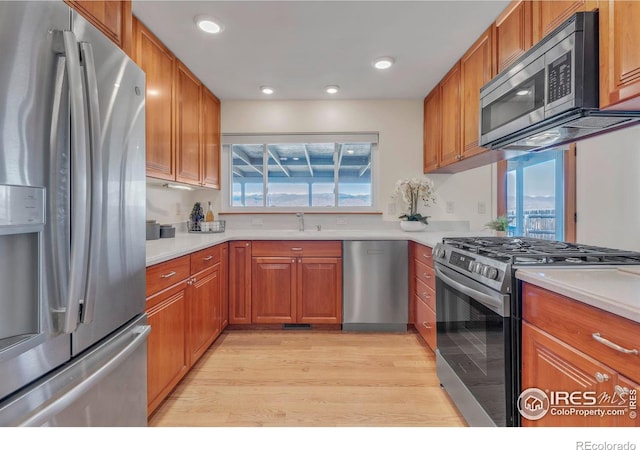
161	250
613	289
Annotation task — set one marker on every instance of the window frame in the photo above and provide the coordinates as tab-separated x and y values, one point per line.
569	189
308	138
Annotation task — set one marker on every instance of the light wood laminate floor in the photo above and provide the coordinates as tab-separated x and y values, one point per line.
311	379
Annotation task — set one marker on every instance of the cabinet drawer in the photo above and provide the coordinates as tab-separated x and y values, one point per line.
204	259
425	274
296	248
163	275
426	323
422	253
426	294
576	323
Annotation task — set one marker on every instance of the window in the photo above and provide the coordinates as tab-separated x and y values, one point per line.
300	172
538	195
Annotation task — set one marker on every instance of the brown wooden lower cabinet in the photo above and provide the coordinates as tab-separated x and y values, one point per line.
560	354
167	355
239	282
296	290
422	295
185	318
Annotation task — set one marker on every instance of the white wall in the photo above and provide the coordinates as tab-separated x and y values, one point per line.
608	190
399	123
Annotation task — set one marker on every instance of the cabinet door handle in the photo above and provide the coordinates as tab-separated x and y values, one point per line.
601	377
613	345
167	275
426	275
424	324
293	260
425	295
296	249
621	390
207	258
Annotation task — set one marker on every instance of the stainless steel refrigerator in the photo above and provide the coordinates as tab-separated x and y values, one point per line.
72	238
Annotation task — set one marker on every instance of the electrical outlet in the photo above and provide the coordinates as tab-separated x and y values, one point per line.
257	222
449	207
391	208
341	221
482	208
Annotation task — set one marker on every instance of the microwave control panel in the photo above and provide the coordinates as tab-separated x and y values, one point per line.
559	78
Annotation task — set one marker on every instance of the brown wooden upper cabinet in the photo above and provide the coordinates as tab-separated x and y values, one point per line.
183	117
477	67
450	146
159	65
113	18
431	130
547	15
619	54
513	32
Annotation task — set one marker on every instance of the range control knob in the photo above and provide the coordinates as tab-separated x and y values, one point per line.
478	268
492	273
440	252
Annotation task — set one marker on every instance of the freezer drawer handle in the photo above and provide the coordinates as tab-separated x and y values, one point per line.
613	345
56	405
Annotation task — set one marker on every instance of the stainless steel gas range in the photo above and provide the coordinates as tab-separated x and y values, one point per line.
478	309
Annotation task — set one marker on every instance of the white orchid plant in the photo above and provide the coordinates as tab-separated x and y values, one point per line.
412	191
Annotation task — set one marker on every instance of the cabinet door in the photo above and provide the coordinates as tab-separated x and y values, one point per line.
619	54
210	140
476	69
550	364
187	126
204	311
547	15
239	282
431	130
167	355
451	113
113	18
513	32
273	290
319	290
158	64
224	296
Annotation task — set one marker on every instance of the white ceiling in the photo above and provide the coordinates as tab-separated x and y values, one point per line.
299	47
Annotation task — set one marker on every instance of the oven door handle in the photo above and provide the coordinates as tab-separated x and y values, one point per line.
496	303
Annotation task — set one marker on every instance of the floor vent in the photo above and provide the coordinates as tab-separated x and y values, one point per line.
296	326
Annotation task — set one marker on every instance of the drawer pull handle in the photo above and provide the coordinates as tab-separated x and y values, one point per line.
621	391
425	295
614	346
424	324
601	377
424	255
296	249
207	258
167	275
426	275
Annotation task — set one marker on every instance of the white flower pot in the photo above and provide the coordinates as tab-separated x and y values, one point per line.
414	225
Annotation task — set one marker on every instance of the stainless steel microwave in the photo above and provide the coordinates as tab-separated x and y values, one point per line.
550	95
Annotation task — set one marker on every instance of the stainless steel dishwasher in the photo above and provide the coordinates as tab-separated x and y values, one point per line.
375	285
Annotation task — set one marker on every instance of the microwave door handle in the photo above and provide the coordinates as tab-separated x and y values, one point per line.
495	304
58	197
95	198
80	186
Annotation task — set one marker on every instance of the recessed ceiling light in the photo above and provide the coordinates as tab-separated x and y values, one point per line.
208	25
332	89
383	63
266	90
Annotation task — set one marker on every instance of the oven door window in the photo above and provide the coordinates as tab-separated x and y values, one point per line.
473	341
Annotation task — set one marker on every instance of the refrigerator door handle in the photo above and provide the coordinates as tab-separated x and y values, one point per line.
58	197
64	399
80	186
95	200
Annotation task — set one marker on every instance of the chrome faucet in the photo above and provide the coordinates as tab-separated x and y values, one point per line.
300	217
